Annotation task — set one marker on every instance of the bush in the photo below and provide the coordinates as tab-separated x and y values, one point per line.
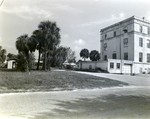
3	65
98	69
21	62
92	70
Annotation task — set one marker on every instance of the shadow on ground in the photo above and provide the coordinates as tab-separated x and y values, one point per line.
106	107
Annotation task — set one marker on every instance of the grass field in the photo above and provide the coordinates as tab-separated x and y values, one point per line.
46	81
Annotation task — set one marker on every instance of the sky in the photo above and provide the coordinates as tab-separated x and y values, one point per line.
80	21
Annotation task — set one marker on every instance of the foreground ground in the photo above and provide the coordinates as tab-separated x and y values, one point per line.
115	101
54	80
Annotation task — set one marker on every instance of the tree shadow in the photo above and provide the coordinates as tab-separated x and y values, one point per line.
110	107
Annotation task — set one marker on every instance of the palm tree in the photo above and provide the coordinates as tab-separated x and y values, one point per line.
22	44
50	38
22	47
94	55
37	37
84	53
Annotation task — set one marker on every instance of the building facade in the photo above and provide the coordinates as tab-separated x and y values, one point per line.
128	40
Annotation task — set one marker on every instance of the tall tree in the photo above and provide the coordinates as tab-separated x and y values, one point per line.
2	55
84	53
22	47
70	55
60	57
37	38
94	55
50	38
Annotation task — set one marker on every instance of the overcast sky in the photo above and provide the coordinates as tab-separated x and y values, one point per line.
80	21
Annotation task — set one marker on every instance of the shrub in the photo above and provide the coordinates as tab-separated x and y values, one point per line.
21	62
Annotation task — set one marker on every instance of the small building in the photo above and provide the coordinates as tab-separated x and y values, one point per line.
11	63
69	65
113	66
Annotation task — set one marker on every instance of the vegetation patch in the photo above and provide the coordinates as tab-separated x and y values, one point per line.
47	81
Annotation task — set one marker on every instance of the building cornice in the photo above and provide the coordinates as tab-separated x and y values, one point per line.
126	20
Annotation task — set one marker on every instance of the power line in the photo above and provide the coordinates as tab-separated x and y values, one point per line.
1	3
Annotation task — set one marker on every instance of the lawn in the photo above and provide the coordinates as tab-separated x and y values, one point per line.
48	81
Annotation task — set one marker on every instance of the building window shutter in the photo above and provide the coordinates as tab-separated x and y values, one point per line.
140	57
105	46
118	65
114	56
125	56
111	65
141	42
148	57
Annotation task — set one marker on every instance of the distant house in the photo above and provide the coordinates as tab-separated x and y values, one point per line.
69	65
11	63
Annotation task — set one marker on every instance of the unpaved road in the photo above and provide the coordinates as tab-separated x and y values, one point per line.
128	102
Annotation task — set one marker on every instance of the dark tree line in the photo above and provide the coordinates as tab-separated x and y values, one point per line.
46	40
94	55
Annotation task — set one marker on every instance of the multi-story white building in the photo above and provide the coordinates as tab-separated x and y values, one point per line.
128	43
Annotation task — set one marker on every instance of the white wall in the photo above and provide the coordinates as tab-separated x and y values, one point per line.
136	27
114	70
94	64
10	63
138	49
103	65
140	68
86	65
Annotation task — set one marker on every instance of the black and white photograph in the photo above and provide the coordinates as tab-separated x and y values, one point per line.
74	59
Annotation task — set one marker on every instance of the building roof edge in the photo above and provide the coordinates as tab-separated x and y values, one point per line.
130	18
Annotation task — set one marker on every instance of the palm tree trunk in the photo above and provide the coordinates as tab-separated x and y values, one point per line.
39	58
27	61
45	60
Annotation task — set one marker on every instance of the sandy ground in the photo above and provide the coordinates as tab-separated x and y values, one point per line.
127	102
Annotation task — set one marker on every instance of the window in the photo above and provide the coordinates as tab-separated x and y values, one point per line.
125	30
114	33
148	30
148	57
118	66
105	57
90	66
125	56
141	42
148	43
111	65
141	29
105	46
140	57
105	36
125	41
114	56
